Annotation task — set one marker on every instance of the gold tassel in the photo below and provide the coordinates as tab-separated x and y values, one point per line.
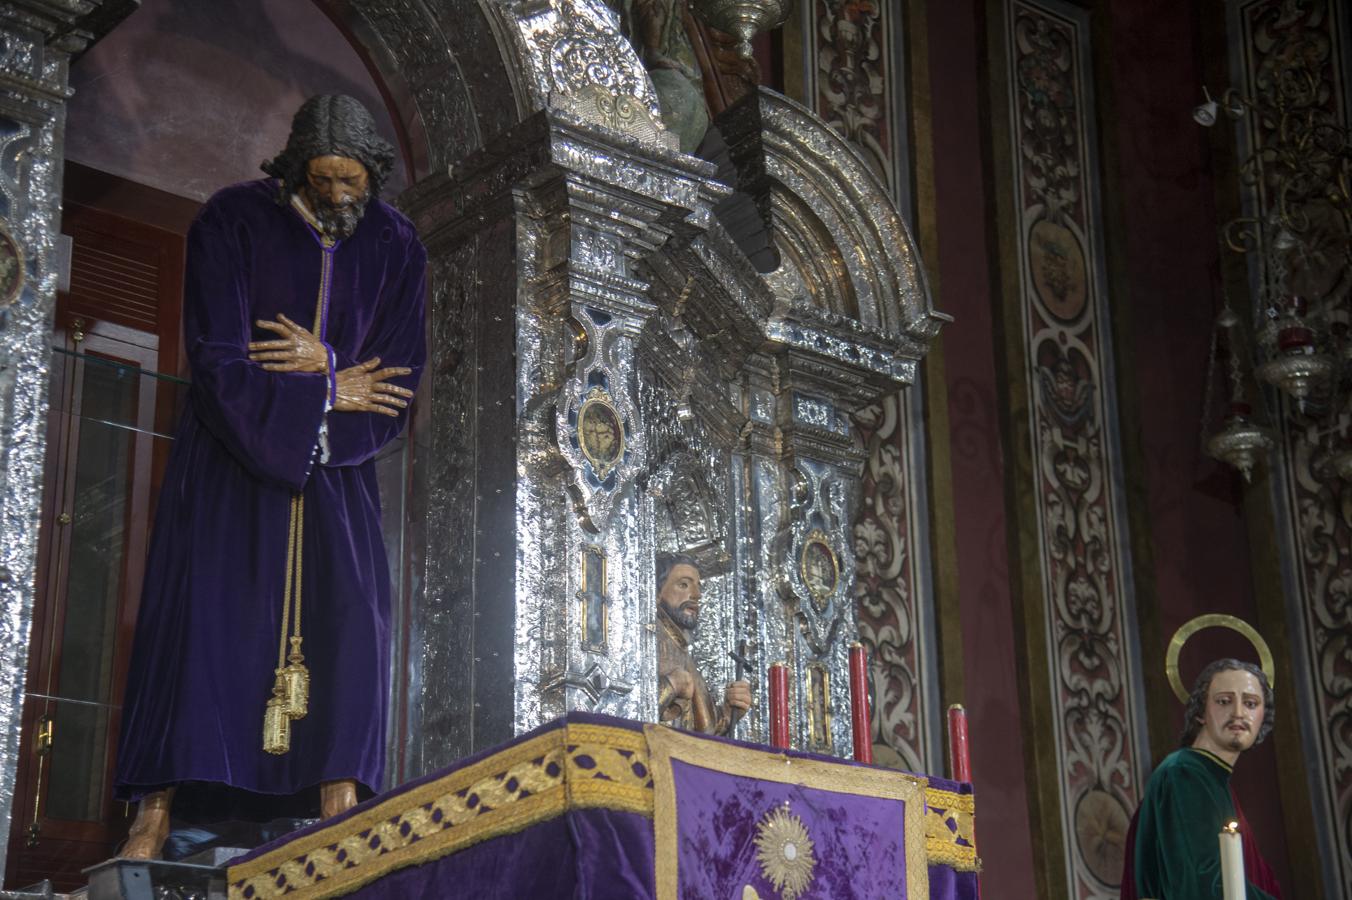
291	692
276	723
297	679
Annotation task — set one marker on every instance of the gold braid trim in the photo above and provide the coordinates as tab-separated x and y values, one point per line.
290	698
577	766
950	817
621	777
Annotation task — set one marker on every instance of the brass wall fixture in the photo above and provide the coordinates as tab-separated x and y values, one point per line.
1296	232
743	18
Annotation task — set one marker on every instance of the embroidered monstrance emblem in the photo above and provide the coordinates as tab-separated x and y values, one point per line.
784	852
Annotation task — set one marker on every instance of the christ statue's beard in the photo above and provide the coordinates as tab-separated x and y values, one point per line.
685	618
339	220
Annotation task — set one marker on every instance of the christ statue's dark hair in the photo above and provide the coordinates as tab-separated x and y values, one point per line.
668	561
1196	710
331	125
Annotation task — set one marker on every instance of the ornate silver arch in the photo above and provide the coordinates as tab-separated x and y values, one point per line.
849	264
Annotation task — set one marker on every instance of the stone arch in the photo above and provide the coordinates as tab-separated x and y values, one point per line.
460	72
404	45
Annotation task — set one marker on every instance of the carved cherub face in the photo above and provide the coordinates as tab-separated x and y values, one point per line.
679	595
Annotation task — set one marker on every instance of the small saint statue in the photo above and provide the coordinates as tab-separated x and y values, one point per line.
684	699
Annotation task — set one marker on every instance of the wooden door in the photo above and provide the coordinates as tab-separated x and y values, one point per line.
113	399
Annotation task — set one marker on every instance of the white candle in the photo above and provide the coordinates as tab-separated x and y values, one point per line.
1232	863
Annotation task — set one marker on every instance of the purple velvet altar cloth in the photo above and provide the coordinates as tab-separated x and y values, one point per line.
598	854
582	849
855	846
946	883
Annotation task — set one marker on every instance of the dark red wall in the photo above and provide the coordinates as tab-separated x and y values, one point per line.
991	695
1169	234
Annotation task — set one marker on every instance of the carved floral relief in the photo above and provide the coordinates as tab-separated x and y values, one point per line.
885	587
852	78
1278	38
850	40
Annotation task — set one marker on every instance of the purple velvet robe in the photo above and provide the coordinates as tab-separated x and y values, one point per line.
203	661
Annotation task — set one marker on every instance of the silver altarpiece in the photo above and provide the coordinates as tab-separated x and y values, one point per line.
610	376
613	379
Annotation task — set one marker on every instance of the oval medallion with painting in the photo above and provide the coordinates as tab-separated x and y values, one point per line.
11	266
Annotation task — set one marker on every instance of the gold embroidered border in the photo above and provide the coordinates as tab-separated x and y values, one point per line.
571	767
948	817
622	776
666	744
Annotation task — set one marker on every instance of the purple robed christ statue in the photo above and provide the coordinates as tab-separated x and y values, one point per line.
250	439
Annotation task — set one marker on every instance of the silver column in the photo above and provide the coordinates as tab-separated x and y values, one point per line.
37	40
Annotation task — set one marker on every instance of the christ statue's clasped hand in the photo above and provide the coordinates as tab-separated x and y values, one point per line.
361	388
296	349
366	388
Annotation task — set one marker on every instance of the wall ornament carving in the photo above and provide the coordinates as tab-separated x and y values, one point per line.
12	270
850	275
566	47
1078	524
664	394
597	428
618	112
1277	45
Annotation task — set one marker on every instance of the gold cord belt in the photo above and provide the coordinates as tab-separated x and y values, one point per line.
291	691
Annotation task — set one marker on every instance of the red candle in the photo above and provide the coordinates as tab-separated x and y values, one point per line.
959	755
779	706
859	711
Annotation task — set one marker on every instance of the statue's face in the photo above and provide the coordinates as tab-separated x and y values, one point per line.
337	179
1234	713
679	595
336	190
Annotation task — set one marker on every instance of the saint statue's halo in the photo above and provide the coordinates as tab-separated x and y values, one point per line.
1213	620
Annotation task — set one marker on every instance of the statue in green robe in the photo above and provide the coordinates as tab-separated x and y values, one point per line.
1173	851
